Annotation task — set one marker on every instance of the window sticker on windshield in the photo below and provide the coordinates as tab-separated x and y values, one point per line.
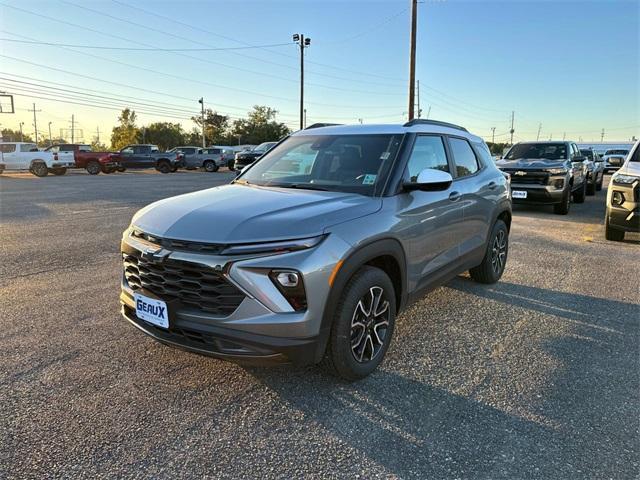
369	179
385	155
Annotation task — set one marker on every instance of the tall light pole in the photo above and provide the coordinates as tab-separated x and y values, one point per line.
303	43
513	114
412	58
21	136
50	137
35	121
201	102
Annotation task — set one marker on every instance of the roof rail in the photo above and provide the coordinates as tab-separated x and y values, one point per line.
420	121
318	125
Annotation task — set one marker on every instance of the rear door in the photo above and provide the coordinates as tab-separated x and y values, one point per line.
9	156
478	191
432	220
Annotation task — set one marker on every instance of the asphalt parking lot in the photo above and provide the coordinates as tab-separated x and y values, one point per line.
534	377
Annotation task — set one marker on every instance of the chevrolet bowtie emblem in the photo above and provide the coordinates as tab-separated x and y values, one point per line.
155	254
520	173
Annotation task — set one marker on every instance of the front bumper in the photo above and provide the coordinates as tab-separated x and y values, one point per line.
263	328
627	215
537	194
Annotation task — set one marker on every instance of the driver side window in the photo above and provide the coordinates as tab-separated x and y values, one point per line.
428	152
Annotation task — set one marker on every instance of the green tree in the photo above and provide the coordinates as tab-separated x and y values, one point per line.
164	134
126	132
260	126
9	135
98	147
216	127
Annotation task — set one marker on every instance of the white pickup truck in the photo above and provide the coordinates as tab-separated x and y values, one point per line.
26	156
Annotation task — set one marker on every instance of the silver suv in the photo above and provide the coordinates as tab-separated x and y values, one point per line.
332	233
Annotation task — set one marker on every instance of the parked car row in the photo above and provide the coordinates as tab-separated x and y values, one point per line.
623	198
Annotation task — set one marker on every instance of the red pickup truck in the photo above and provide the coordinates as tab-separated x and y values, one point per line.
93	162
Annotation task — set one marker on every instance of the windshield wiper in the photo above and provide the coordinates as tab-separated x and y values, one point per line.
301	186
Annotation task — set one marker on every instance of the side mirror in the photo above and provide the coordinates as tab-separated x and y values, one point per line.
430	180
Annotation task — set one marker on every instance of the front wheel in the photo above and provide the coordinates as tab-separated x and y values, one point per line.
59	171
599	184
591	187
39	169
164	166
562	208
495	258
612	234
210	166
362	325
580	195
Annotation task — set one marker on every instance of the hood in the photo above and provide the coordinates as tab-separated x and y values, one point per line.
529	163
630	168
246	214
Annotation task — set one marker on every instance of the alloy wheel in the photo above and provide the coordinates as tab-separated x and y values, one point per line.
369	325
499	252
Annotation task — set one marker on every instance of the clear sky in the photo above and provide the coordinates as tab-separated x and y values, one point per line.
573	66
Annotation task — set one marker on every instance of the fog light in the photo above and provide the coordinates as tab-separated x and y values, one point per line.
287	279
618	198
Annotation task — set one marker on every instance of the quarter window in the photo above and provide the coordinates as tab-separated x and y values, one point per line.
428	152
465	160
7	147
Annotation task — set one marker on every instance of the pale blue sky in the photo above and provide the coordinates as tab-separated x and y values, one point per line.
573	66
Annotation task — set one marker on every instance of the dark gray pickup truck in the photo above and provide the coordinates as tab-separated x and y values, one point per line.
149	156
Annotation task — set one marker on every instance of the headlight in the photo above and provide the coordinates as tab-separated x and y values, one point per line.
273	247
557	171
625	179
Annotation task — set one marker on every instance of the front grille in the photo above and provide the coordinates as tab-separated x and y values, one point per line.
194	285
529	178
198	247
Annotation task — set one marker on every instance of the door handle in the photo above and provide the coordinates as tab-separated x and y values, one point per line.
492	185
454	196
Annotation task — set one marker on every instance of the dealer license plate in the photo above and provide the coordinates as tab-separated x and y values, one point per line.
151	310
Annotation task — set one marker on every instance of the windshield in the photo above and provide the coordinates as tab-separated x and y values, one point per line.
263	147
548	151
587	153
345	163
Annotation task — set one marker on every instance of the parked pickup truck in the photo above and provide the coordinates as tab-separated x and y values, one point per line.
148	156
83	157
210	158
26	156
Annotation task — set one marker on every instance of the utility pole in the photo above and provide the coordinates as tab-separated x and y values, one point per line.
73	128
303	43
201	102
493	134
412	58
428	112
539	128
513	113
35	121
50	137
305	118
98	135
564	135
602	136
21	136
418	99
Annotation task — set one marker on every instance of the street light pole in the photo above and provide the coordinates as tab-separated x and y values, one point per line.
302	43
50	137
412	59
21	136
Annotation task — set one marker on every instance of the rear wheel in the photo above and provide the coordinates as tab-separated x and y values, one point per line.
591	187
231	165
562	208
93	167
59	171
39	169
495	258
210	166
362	325
164	166
612	233
580	195
121	169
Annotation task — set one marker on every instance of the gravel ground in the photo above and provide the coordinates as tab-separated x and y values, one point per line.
534	377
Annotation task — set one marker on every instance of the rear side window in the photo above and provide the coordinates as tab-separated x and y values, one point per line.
464	158
428	152
66	148
8	147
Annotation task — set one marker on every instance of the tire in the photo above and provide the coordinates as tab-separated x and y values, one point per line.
563	207
210	166
231	165
121	169
93	167
591	188
39	169
599	184
579	196
612	234
495	258
355	351
59	171
164	166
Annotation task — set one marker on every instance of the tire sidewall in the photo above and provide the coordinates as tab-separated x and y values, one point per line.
93	168
210	166
346	365
39	169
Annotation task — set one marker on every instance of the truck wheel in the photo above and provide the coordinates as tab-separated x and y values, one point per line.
362	325
231	165
121	169
59	171
591	188
612	233
580	195
599	184
495	258
93	167
210	166
39	169
562	208
164	166
174	169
